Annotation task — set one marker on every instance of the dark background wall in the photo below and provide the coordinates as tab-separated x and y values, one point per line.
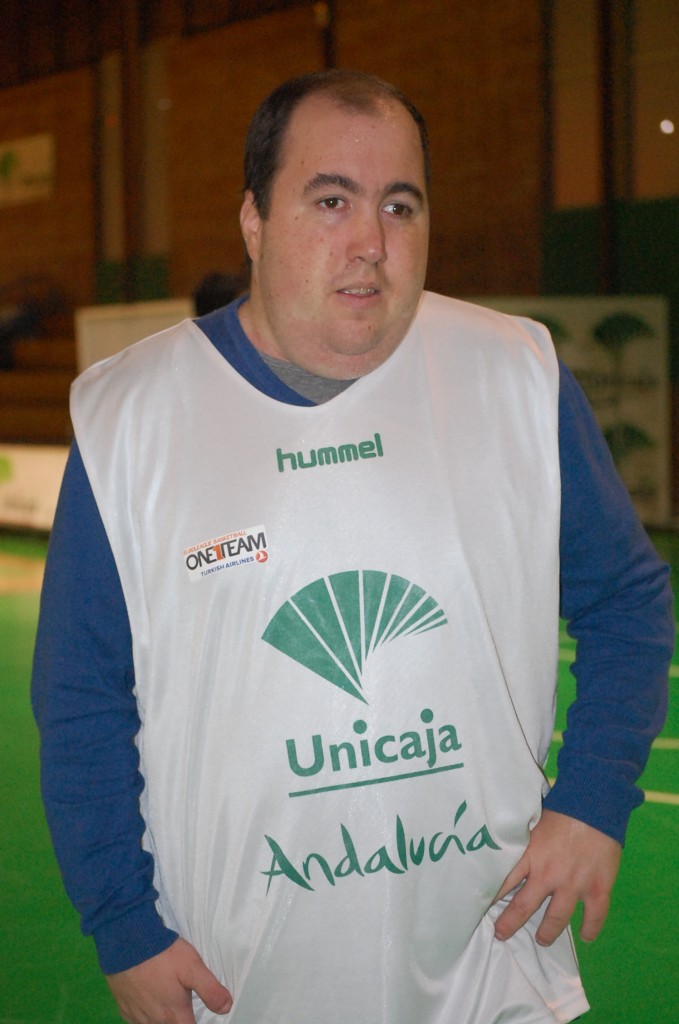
474	69
480	72
54	236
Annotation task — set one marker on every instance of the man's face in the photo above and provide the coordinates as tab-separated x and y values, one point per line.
338	266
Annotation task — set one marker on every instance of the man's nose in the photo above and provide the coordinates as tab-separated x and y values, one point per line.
367	240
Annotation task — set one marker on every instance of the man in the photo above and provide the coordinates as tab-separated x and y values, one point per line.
324	599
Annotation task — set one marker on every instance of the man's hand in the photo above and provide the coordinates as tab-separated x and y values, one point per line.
158	991
569	862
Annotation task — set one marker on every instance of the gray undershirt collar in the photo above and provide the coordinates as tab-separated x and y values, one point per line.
309	385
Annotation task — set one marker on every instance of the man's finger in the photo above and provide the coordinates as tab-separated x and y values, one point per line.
555	920
594	917
203	982
521	907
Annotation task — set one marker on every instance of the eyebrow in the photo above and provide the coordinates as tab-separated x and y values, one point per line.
340	180
322	180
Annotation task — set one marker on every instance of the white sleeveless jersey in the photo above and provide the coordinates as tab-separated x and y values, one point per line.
344	622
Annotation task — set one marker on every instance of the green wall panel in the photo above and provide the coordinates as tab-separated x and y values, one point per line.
646	258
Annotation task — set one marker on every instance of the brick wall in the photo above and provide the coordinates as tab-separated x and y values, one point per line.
53	236
474	69
216	82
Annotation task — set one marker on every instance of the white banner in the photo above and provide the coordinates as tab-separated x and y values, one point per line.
616	347
27	169
30	478
101	331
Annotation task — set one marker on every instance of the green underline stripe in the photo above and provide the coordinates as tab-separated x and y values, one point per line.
376	782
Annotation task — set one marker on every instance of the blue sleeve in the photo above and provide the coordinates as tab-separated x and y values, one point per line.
617	602
83	701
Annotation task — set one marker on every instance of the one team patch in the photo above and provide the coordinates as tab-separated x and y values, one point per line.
242	547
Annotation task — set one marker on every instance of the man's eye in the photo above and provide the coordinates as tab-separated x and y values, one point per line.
399	209
331	203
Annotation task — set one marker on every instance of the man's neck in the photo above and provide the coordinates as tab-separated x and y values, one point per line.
315	388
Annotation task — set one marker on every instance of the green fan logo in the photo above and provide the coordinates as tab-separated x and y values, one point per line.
333	625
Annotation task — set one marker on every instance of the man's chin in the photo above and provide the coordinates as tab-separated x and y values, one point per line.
347	362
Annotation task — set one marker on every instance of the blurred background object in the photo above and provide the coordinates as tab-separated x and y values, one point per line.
215	290
29	308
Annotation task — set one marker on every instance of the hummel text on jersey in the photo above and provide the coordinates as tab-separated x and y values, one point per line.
330	456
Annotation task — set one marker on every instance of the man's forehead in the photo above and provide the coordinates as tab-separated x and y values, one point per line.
322	109
320	118
325	105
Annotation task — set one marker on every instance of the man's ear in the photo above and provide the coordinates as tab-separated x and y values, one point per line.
250	225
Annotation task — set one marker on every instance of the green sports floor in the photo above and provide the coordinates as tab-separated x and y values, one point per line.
48	971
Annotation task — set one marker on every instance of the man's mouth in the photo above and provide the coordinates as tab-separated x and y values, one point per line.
358	291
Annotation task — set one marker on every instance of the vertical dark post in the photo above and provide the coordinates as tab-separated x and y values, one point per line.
131	145
607	226
547	148
324	14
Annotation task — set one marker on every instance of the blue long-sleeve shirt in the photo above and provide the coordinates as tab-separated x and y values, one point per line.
614	595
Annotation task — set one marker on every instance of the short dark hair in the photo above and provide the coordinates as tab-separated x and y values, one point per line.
353	89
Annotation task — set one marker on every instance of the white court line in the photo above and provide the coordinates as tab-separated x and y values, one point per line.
652	796
661	798
661	743
665	743
568	656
